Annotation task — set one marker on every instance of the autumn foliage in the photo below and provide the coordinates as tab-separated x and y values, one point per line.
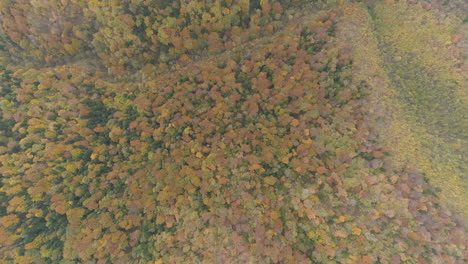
259	155
128	34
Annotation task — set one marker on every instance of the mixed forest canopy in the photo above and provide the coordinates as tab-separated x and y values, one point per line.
231	131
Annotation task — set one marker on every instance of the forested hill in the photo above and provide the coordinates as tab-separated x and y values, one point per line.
233	131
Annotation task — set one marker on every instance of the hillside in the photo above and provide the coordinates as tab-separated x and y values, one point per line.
413	60
232	132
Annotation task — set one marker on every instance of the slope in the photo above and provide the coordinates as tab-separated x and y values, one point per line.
264	154
419	90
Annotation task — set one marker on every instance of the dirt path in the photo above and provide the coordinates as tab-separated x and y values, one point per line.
418	94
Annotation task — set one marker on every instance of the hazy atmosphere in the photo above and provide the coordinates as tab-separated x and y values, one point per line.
233	131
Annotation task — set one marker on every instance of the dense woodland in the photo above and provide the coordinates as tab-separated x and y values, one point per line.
215	131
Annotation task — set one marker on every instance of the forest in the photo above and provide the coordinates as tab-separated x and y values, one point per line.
233	131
